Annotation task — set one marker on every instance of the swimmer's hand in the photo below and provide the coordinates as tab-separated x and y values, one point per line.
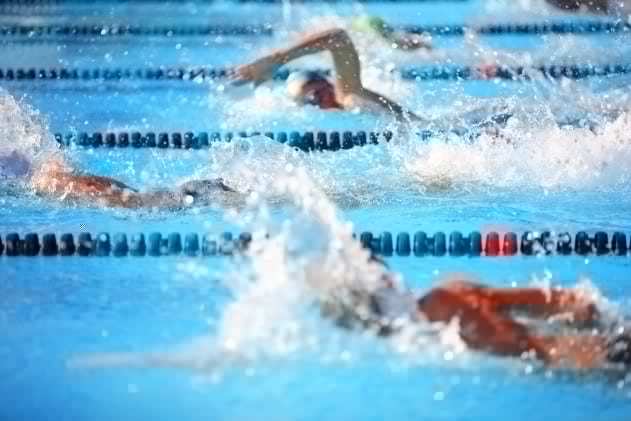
197	188
258	71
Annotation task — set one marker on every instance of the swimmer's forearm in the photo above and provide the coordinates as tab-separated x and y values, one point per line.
540	302
345	57
311	44
100	190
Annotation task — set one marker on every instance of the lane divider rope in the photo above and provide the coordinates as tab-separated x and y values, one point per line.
414	73
117	30
37	3
405	244
305	141
533	28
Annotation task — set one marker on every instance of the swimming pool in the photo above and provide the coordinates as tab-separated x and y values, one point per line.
55	309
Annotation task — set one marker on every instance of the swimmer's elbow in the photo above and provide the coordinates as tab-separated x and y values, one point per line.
337	36
339	33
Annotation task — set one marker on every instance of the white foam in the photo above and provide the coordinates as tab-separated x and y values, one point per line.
527	156
22	130
533	155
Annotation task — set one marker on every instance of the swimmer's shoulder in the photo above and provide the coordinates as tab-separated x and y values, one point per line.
357	103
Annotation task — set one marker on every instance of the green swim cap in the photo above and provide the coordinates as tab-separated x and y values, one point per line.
368	23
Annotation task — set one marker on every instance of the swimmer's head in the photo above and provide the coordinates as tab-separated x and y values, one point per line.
14	165
309	87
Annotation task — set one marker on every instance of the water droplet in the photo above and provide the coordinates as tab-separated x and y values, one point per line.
439	396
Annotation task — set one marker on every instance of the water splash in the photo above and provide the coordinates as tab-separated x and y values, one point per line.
520	156
291	265
295	263
23	130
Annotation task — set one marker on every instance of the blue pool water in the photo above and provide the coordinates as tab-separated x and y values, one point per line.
149	328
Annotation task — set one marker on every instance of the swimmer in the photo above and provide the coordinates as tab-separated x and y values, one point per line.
345	93
54	178
397	39
612	7
487	322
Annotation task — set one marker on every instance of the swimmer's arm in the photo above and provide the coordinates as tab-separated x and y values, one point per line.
336	41
73	187
389	105
101	190
480	328
539	302
483	329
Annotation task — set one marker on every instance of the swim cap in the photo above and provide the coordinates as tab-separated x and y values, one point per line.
371	24
297	80
14	165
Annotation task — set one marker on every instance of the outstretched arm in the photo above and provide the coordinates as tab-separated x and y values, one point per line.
537	302
103	191
345	61
106	191
336	41
549	302
484	329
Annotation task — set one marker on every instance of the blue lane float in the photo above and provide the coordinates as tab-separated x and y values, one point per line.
108	31
118	30
30	3
403	244
199	75
304	141
532	28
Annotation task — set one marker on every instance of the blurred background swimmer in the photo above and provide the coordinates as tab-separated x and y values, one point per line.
611	7
31	161
397	39
51	176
